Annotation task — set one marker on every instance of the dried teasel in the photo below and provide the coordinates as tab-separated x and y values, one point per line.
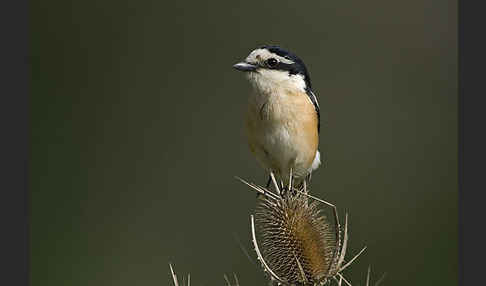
299	247
296	240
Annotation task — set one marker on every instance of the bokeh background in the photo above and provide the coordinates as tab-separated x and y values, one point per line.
137	132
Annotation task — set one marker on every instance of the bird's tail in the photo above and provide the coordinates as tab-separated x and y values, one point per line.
317	161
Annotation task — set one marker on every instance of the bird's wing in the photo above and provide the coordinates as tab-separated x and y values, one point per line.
313	99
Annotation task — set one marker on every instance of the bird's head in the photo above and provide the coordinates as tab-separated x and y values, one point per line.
271	68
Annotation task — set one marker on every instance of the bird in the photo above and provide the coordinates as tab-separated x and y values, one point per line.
283	115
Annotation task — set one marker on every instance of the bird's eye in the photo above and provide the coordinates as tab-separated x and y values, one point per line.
272	62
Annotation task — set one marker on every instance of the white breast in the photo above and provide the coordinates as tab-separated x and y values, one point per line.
282	130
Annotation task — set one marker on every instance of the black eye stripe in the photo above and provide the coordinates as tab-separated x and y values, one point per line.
272	62
297	67
287	67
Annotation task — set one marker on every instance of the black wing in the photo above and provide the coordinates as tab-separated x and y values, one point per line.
313	99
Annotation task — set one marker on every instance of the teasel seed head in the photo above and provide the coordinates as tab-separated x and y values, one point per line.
299	246
297	241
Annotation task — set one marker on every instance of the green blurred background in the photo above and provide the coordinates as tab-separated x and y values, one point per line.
137	132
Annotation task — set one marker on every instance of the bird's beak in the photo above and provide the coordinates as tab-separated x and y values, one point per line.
244	66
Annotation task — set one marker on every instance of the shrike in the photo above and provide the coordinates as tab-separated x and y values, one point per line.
282	119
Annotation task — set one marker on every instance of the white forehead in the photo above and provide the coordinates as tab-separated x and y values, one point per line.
260	55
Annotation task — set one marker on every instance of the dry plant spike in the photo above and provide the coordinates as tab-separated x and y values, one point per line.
237	283
345	241
251	185
290	179
339	282
353	259
188	279
260	257
226	279
258	189
368	276
174	276
275	183
302	273
344	279
228	283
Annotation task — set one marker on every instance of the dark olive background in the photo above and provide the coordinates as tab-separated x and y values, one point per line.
137	133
